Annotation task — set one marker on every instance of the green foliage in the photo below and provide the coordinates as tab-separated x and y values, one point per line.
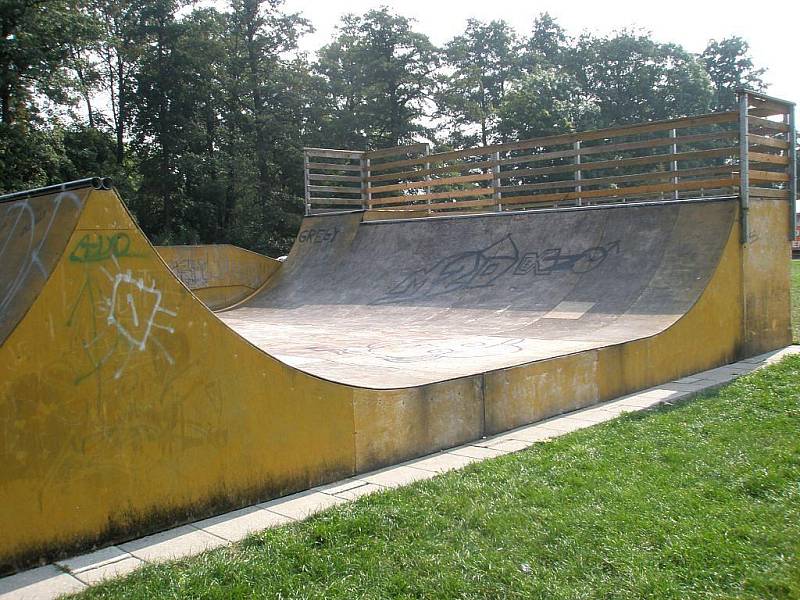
483	63
380	74
200	113
729	66
630	78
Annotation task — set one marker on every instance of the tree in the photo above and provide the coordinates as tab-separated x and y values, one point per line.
482	63
730	66
545	102
381	78
630	77
35	44
548	45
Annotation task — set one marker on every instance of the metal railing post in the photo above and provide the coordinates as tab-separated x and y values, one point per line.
366	193
428	177
305	180
673	166
744	166
578	174
792	173
496	193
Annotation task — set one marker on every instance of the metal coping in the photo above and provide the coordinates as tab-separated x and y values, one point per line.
97	183
507	213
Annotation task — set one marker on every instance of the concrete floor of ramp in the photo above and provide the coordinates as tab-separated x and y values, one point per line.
80	572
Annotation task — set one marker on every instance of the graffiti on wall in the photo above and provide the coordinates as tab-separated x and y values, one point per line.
24	235
483	267
120	315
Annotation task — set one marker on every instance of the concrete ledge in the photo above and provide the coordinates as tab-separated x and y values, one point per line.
75	574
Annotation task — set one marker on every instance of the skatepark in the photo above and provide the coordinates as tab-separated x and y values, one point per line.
143	387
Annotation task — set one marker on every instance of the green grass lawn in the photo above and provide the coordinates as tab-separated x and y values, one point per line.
699	500
796	301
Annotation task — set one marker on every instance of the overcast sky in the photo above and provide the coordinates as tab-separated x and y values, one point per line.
772	34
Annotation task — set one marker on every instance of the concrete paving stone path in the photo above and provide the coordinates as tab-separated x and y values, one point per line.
78	573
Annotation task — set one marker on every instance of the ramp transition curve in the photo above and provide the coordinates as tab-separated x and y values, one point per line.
127	406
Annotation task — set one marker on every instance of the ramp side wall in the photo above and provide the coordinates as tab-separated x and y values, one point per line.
766	260
220	275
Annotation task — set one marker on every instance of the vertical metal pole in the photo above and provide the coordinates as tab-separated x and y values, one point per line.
578	174
744	167
792	173
305	179
366	193
428	176
673	166
496	194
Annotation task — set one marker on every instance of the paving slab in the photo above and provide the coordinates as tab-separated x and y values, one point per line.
238	524
362	490
533	433
442	462
110	570
175	543
595	415
39	584
302	505
396	476
477	452
93	560
342	486
506	444
567	423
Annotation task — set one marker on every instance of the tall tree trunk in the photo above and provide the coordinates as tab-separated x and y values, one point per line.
164	159
259	114
5	86
122	110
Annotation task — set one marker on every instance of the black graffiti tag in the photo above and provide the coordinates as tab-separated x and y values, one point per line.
482	268
317	236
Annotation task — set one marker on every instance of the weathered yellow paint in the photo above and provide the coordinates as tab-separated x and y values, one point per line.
393	425
220	275
127	406
765	273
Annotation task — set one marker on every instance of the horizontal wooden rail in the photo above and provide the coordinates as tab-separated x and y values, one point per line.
618	179
431	183
627	192
623	163
384	152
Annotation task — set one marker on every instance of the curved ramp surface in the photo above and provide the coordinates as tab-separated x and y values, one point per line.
390	304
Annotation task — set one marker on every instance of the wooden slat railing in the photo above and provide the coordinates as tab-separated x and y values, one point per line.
681	158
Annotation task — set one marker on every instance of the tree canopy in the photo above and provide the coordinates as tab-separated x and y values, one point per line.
200	113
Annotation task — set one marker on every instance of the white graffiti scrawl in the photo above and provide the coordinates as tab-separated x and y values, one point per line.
133	310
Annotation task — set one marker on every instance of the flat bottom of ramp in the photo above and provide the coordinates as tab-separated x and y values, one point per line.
376	347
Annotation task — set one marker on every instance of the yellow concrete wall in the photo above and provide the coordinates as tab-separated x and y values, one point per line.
221	275
126	406
765	277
